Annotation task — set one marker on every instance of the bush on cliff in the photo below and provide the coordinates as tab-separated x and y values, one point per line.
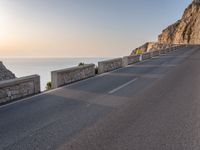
49	86
81	64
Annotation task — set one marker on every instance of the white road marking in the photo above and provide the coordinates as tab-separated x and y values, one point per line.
57	89
122	86
97	76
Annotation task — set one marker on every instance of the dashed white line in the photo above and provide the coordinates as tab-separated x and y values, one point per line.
122	86
57	89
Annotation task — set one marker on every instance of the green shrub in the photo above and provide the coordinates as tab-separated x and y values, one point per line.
81	64
49	86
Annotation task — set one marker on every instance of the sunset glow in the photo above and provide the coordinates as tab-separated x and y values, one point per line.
36	28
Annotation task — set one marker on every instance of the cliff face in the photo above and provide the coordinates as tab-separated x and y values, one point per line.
150	46
186	30
5	74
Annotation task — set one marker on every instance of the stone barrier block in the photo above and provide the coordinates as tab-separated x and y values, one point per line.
155	53
109	65
173	48
66	76
146	56
128	60
163	51
168	50
19	88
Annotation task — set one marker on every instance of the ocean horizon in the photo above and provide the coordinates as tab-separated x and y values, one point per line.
43	66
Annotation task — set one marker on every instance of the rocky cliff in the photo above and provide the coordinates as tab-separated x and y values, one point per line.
150	46
186	30
5	74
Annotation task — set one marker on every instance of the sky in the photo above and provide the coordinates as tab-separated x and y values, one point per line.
82	28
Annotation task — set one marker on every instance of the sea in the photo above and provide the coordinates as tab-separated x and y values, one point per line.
43	66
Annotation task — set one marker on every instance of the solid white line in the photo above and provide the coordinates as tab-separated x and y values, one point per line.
122	86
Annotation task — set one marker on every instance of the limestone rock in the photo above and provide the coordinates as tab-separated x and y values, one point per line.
5	74
186	30
150	46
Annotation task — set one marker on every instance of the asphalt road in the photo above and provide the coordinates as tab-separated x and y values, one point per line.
152	105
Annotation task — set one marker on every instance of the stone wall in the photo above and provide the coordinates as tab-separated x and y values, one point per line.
155	53
19	88
163	51
109	65
146	56
128	60
169	50
66	76
151	46
5	74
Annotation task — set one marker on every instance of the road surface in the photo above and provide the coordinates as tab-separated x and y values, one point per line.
152	105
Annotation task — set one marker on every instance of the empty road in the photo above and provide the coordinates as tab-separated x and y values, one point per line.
152	105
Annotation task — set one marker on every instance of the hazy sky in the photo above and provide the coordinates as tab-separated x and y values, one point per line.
82	28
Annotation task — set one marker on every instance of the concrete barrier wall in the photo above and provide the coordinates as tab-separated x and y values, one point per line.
109	65
171	49
163	51
146	56
26	86
128	60
155	53
66	76
19	88
168	50
174	48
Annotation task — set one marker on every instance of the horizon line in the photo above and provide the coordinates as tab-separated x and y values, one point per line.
46	57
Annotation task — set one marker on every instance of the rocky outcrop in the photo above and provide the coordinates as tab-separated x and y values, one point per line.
150	46
5	74
186	30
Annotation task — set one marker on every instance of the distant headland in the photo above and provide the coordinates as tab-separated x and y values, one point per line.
184	31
